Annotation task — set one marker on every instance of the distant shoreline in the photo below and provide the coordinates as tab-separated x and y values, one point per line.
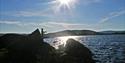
83	33
77	33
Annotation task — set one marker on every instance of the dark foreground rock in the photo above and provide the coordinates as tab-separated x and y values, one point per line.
26	49
15	48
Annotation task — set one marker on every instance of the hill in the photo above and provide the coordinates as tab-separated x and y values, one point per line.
113	32
71	33
82	32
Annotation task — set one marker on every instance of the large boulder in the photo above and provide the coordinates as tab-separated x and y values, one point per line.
75	52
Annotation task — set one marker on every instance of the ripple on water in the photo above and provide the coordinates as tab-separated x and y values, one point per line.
106	48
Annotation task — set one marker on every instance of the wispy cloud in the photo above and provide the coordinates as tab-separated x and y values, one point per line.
64	23
103	22
9	22
112	15
29	13
32	14
49	11
18	23
67	24
87	2
48	25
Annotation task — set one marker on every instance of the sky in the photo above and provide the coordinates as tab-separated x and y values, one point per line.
24	16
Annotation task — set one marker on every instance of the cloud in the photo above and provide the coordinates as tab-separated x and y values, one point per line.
102	23
48	25
32	14
54	26
18	23
87	2
66	24
9	22
112	15
63	23
49	11
28	13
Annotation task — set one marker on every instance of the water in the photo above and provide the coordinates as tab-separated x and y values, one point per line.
106	48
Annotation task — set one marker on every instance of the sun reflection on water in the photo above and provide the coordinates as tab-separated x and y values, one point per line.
62	40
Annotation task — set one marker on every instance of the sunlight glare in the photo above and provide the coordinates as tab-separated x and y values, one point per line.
66	3
63	4
64	39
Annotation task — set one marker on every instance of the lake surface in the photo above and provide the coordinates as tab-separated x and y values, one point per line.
106	48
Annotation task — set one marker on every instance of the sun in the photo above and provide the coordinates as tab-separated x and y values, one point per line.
59	5
64	2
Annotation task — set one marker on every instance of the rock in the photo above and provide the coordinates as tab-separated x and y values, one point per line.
32	49
77	53
26	49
